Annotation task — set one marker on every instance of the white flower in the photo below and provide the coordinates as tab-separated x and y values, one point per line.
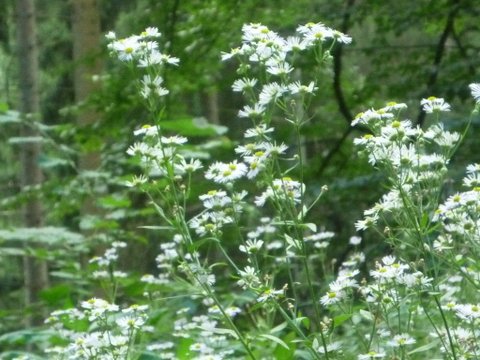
136	180
298	88
433	104
129	323
227	56
251	246
152	86
224	173
355	240
401	340
241	85
111	35
468	312
151	32
188	167
392	105
341	37
472	180
475	89
248	277
247	149
364	118
173	140
284	189
332	297
259	131
270	294
315	33
160	346
147	130
273	148
294	43
367	222
126	49
271	92
334	346
157	58
280	69
251	112
215	200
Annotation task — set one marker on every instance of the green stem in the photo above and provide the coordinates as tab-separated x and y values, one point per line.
450	340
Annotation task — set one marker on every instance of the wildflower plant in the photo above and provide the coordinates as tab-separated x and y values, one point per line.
409	303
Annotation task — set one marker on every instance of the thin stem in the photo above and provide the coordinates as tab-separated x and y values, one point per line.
450	340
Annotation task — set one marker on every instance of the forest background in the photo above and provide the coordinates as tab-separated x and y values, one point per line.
67	113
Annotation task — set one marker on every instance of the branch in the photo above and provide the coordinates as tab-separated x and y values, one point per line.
333	151
439	52
337	68
463	52
337	87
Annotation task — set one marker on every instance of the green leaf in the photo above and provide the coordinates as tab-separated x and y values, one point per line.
65	275
279	328
183	349
12	252
46	235
202	123
305	321
339	320
26	140
424	347
292	242
275	340
10	117
366	315
114	202
49	162
149	355
29	336
424	221
196	127
9	355
311	226
302	354
221	331
57	296
3	108
152	227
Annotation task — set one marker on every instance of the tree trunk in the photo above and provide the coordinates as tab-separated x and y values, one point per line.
213	110
35	270
86	46
86	33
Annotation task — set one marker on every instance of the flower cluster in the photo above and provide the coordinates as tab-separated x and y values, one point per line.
414	159
142	49
105	265
160	155
110	334
397	295
459	213
208	341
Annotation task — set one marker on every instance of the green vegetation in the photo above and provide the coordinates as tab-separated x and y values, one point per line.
205	190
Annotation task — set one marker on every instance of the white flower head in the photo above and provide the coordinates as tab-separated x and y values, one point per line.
434	104
475	89
355	240
401	340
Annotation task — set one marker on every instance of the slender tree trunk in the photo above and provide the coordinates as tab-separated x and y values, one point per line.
213	109
86	46
35	270
86	33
